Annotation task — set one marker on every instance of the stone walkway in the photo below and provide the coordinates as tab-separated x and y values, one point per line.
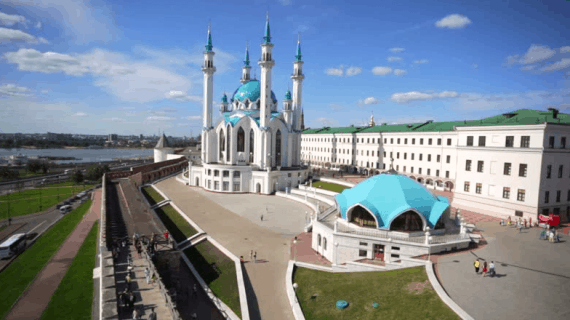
36	298
303	251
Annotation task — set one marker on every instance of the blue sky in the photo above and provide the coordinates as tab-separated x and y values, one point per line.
132	67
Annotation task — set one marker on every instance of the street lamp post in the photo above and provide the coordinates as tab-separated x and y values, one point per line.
276	186
295	247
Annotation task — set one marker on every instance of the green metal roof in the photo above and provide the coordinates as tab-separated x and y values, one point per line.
518	117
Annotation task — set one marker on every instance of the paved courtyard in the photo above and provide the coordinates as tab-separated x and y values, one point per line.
533	277
234	221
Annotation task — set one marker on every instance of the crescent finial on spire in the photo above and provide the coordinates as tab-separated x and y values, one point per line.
267	37
209	43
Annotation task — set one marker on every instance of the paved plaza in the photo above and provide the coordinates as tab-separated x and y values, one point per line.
234	221
532	282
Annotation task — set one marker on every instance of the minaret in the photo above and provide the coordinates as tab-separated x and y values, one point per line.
287	109
246	67
266	64
224	104
372	123
297	77
208	70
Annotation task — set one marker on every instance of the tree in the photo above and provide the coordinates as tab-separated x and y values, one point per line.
77	176
34	166
6	173
96	171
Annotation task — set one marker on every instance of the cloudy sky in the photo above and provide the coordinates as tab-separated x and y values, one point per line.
132	67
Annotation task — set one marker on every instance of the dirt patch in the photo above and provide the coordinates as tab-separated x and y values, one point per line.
419	287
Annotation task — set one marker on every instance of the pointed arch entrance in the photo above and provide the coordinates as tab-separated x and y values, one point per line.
361	216
408	221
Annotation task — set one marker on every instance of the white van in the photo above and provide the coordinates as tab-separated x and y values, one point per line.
14	245
65	209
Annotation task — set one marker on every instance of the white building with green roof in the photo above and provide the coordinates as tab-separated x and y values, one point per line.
512	164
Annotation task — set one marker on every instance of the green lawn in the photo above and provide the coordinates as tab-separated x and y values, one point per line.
22	271
28	201
73	298
329	186
175	223
391	289
65	184
3	227
151	195
222	278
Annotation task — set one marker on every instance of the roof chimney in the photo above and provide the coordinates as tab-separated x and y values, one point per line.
554	112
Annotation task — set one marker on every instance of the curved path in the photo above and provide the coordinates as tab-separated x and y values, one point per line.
533	276
35	298
235	222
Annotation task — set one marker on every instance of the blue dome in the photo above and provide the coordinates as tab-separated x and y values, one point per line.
251	91
388	195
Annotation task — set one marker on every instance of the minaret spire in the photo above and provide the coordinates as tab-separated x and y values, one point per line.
267	37
298	56
209	44
246	61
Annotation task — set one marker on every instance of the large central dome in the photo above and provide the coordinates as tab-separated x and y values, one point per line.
251	91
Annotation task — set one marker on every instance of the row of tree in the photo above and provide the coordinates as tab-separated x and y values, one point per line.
46	144
94	173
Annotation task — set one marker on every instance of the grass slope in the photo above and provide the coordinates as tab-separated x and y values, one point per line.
178	226
389	289
73	298
151	195
329	186
222	278
22	271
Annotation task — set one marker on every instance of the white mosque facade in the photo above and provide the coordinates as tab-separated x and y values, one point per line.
253	148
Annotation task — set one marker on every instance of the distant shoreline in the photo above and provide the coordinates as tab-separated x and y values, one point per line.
71	148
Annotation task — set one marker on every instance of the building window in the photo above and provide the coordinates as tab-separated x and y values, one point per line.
429	157
546	196
404	169
551	142
325	244
429	141
568	195
397	155
395	248
406	141
412	156
481	141
548	171
439	142
447	174
437	173
241	140
479	166
506	192
563	142
448	142
510	141
216	173
438	158
560	170
405	155
558	193
518	213
466	187
525	141
216	185
391	140
520	195
420	171
413	140
394	255
397	167
545	211
478	188
421	141
507	169
412	170
470	141
364	244
226	186
467	165
383	166
428	172
522	170
226	173
209	172
209	184
236	186
362	253
421	156
398	140
385	140
367	153
391	154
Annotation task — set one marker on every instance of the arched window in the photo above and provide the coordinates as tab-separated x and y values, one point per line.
222	145
228	145
251	145
319	238
407	221
325	244
362	217
278	148
241	140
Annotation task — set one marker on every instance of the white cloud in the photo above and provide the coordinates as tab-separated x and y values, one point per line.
565	49
423	61
397	49
475	66
39	25
400	72
353	71
80	114
557	66
453	21
9	20
80	19
114	119
193	118
535	53
286	2
368	101
160	118
405	97
394	59
181	96
139	81
381	71
12	35
13	90
529	67
325	121
339	72
510	101
45	91
336	107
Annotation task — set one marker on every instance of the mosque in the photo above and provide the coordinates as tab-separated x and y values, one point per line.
253	147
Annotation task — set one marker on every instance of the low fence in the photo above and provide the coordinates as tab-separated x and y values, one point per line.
336	181
378	234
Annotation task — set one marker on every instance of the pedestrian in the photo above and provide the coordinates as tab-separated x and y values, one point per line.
124	298
152	315
136	315
10	221
128	281
255	257
492	268
262	217
147	275
131	300
153	279
139	250
530	222
251	255
195	291
476	265
525	223
520	227
484	269
166	235
134	239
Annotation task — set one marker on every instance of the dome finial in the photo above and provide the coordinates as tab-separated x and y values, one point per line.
209	44
267	37
246	62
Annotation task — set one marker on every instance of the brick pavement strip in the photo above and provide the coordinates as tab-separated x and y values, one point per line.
35	299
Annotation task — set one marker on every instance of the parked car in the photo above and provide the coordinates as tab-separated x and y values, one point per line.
65	209
59	205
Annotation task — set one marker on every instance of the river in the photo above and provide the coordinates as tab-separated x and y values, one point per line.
84	155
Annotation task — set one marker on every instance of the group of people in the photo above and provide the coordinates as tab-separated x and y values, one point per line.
551	234
127	299
490	268
519	223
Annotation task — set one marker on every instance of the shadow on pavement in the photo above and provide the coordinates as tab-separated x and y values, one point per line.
253	305
504	264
